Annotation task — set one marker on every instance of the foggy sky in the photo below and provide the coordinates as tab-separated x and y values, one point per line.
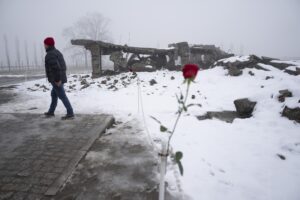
262	27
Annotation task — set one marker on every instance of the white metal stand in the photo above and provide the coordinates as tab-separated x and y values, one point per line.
163	162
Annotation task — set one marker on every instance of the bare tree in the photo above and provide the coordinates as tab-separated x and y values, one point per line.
35	56
241	49
18	55
1	65
42	50
26	54
93	26
7	52
231	48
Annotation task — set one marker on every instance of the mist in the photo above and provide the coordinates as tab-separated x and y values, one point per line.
261	27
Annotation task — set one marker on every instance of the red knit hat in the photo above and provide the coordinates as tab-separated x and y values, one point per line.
49	41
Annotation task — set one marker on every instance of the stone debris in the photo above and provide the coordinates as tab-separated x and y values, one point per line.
269	77
251	73
282	157
244	107
292	113
226	116
284	94
152	82
234	71
103	82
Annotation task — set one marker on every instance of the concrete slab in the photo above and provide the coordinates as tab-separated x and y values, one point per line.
38	154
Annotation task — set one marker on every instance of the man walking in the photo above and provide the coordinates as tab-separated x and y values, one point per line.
56	73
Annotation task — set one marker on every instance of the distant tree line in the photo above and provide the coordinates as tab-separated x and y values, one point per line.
92	26
14	61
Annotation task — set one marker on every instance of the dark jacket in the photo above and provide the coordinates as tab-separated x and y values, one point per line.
55	65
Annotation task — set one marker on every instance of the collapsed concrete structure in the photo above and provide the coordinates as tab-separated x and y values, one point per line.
127	58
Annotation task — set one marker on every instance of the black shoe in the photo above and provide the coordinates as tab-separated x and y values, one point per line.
48	114
68	116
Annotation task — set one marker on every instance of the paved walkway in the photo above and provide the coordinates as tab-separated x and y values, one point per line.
6	94
38	154
121	165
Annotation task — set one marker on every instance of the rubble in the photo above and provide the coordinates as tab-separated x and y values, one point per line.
244	107
292	113
127	58
284	94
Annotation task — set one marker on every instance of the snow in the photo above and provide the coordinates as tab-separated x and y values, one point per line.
170	47
235	59
293	68
97	157
221	160
16	76
286	62
149	66
12	76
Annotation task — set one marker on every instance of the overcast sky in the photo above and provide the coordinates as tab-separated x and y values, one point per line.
262	27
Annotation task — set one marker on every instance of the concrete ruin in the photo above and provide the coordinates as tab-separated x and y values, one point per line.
126	58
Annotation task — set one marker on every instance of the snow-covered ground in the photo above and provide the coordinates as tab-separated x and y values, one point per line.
222	161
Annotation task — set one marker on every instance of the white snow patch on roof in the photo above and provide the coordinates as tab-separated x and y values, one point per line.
293	68
235	58
286	62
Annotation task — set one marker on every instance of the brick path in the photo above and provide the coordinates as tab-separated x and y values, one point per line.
37	155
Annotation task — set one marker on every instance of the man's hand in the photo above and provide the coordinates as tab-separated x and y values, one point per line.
58	83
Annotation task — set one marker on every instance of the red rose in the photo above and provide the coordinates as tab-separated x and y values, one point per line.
190	71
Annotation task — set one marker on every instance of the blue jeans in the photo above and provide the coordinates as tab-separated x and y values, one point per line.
59	92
